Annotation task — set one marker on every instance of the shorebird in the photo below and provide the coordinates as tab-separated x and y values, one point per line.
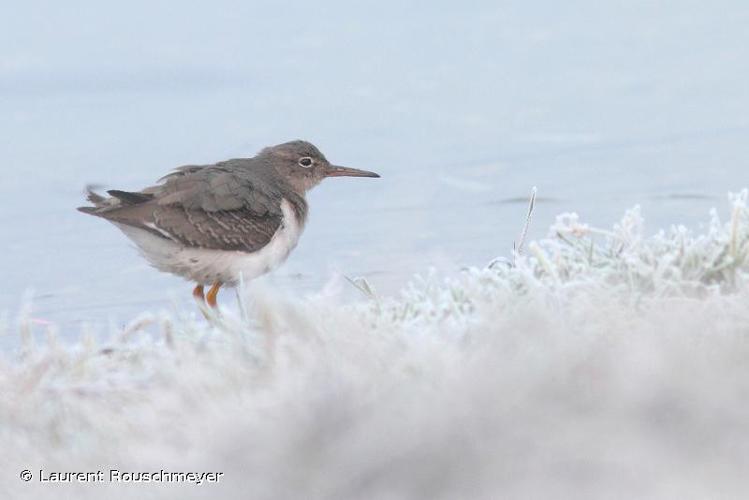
217	224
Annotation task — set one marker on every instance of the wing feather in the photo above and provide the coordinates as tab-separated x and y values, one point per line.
218	207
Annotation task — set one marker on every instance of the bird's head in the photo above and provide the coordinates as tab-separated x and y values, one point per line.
303	166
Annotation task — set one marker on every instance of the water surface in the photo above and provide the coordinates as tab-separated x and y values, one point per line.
461	108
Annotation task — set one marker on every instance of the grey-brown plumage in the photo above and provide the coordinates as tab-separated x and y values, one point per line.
213	223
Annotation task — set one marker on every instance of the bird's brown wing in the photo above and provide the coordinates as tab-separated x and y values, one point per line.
210	207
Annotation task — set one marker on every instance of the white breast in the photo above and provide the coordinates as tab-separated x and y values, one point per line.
252	265
206	266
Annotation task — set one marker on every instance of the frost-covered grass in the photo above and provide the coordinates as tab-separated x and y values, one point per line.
601	364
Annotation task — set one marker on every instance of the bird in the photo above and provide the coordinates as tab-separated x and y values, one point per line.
219	224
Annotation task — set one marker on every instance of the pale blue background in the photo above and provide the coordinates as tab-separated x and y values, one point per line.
462	107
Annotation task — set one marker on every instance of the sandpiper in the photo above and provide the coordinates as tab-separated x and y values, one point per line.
217	224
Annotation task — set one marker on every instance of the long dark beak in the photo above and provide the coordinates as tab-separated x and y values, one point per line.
336	171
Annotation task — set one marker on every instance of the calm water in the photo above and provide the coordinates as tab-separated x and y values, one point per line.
462	109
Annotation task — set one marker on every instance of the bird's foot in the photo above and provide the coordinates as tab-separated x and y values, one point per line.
207	302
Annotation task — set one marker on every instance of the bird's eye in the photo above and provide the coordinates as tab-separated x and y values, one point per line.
305	162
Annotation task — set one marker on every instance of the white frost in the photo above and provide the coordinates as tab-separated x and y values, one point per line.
604	364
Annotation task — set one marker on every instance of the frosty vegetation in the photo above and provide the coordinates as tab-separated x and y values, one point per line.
600	364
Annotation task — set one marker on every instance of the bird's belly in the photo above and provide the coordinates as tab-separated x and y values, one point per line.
219	266
208	266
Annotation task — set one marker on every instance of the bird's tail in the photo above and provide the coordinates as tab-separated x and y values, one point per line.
116	199
96	199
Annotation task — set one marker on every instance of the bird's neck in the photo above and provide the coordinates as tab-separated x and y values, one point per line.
299	204
303	184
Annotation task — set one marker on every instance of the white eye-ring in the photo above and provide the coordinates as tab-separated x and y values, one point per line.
306	162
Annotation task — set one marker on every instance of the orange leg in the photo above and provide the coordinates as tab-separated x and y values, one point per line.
198	293
212	294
